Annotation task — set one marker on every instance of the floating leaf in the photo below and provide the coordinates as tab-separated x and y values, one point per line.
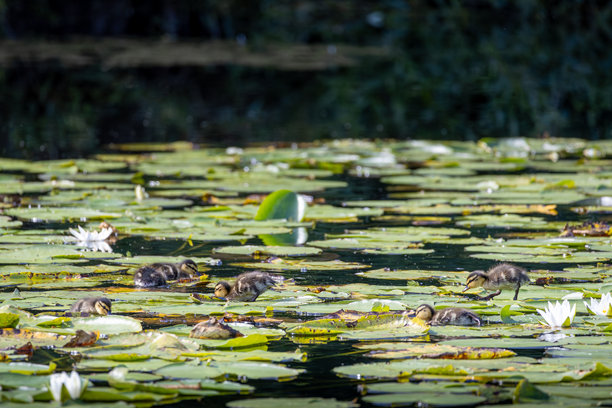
108	324
8	320
282	204
402	350
268	250
525	391
311	402
250	370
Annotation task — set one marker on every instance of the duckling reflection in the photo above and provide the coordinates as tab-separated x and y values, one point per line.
247	287
159	274
92	305
213	329
454	316
502	276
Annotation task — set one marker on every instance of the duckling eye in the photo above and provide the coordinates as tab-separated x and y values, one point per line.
422	310
472	280
102	306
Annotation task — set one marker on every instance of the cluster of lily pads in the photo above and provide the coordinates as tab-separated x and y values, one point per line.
364	231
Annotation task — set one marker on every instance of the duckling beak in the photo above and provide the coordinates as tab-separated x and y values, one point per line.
464	289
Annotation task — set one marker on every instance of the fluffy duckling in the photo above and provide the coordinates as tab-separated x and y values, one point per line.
159	273
247	287
92	305
213	329
455	316
502	276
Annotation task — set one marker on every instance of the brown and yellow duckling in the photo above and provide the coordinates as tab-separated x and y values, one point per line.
213	329
158	274
502	276
247	287
92	305
454	316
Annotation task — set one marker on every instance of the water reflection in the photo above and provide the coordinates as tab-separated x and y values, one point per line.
298	236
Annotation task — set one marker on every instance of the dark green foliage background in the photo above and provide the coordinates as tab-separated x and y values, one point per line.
454	70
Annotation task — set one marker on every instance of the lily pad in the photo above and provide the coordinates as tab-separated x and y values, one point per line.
268	250
312	402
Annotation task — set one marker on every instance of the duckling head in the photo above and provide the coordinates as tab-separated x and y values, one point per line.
475	280
190	267
102	306
222	289
424	312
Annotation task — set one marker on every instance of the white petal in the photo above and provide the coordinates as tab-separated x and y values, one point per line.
76	234
118	373
105	233
589	308
73	385
573	295
547	317
55	386
103	247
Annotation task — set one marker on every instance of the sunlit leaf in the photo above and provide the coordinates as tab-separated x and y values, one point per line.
282	204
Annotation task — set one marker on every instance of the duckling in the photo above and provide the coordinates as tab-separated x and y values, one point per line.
92	305
502	276
213	329
455	316
113	236
159	273
247	287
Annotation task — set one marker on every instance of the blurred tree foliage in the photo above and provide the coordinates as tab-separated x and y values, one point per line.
456	69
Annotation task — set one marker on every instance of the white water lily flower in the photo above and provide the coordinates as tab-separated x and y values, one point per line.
118	373
83	235
93	240
140	193
559	314
73	384
602	307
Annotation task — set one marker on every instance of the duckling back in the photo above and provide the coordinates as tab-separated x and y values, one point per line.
505	276
249	285
455	316
149	276
213	329
169	271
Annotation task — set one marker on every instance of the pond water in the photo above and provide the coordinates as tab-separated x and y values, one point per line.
389	225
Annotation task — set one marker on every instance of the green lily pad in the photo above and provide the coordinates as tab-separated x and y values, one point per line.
312	402
59	214
433	399
36	254
268	250
283	204
252	370
108	324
